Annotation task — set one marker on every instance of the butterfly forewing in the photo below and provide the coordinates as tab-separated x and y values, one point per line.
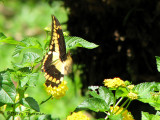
57	43
53	65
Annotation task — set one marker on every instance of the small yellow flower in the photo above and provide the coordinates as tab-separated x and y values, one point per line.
78	116
132	95
126	114
17	97
3	108
130	87
114	83
57	92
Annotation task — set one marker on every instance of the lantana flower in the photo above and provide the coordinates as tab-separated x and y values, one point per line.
57	92
130	87
132	95
78	116
114	83
125	114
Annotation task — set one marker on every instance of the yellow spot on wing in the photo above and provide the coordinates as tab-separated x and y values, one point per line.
54	80
51	47
47	76
50	78
57	81
55	56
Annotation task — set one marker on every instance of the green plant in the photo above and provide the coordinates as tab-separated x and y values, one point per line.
25	72
113	99
117	95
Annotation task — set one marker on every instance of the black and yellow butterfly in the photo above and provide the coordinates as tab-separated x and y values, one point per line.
56	63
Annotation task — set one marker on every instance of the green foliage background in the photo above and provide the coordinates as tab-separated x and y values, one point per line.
21	19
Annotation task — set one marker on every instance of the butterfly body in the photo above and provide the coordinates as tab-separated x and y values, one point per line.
56	63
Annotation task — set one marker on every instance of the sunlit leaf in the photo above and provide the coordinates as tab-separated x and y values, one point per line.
101	99
106	95
116	117
94	104
144	89
2	36
29	58
147	116
158	63
73	42
46	117
31	79
7	88
30	102
9	40
29	45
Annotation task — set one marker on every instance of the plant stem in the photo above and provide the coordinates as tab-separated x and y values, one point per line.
126	106
122	105
45	100
13	111
117	103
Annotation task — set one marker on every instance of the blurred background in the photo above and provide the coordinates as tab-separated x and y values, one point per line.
127	32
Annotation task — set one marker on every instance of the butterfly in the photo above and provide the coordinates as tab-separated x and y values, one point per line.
56	62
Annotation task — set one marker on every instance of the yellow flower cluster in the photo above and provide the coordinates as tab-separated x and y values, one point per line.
126	114
78	116
114	83
132	95
130	87
57	92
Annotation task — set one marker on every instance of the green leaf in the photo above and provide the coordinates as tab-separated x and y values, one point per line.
147	93
103	93
158	63
9	40
7	88
73	42
116	117
24	81
102	99
30	102
46	117
158	113
30	59
18	50
106	95
2	36
147	116
94	104
94	93
155	104
31	79
121	92
144	89
1	104
28	45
